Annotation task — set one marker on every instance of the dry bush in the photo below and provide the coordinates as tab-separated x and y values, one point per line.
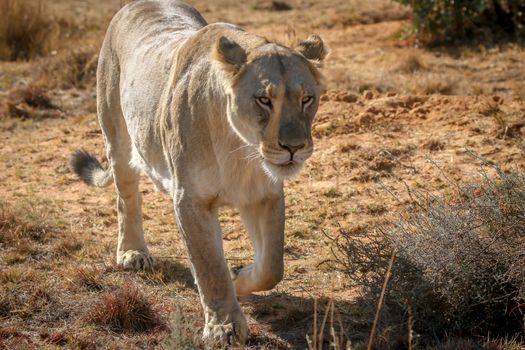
126	309
34	97
450	19
27	29
410	62
71	69
423	83
75	68
30	102
459	271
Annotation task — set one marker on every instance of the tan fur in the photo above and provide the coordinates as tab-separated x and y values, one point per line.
178	101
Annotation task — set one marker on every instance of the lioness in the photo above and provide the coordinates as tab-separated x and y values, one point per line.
215	116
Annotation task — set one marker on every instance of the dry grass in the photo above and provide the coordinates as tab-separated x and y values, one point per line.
509	125
23	222
89	279
27	29
388	274
455	343
410	61
127	309
330	327
432	83
16	275
183	334
33	241
30	29
67	246
9	332
23	295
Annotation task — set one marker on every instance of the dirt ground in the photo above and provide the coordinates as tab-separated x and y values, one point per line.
394	116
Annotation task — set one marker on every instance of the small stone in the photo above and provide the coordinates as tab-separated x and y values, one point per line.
347	97
368	95
323	128
366	119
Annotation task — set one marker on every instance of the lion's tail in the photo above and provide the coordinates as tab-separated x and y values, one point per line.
89	169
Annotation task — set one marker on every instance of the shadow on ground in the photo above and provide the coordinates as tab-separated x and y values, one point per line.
169	270
289	317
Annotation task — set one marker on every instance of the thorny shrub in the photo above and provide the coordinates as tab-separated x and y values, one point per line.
459	268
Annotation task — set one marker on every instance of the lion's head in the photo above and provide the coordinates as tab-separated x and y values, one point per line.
273	95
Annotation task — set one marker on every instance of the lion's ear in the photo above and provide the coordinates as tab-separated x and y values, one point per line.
229	54
313	48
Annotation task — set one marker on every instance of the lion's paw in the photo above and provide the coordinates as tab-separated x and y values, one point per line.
136	260
231	333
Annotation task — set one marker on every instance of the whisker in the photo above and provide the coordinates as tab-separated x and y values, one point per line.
243	146
253	155
259	159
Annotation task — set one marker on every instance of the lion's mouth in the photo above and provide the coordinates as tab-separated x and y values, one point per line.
283	169
288	163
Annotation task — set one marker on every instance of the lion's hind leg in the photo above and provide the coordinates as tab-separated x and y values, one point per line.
132	252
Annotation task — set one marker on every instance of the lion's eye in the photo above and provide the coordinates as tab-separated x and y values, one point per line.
306	100
265	101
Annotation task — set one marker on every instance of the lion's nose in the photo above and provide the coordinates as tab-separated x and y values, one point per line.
291	148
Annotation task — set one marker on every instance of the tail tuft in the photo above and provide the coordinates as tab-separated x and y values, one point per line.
89	169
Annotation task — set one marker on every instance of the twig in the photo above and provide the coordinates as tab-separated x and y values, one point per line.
321	330
381	298
342	330
314	336
332	330
410	329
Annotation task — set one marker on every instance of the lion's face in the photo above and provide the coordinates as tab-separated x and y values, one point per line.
271	105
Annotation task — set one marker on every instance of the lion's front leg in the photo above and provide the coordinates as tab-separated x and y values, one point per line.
265	224
201	233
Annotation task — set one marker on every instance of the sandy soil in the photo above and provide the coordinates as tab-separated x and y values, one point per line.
393	117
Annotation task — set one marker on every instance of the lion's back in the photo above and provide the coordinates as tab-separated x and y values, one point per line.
144	21
149	31
140	47
135	61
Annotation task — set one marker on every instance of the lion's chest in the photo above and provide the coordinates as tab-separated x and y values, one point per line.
243	183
